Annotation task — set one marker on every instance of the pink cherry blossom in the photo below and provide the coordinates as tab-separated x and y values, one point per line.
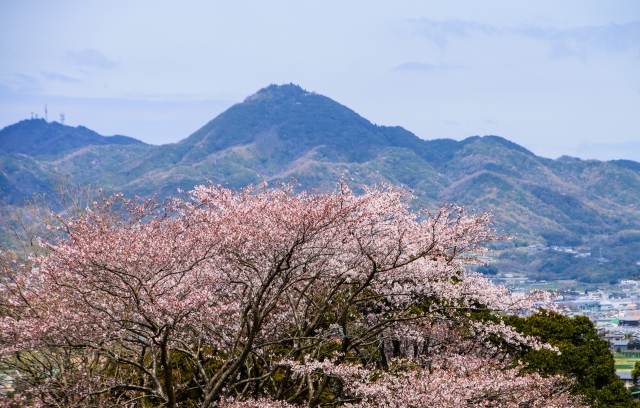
267	298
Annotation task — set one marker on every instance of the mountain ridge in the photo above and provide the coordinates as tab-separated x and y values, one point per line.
37	137
283	131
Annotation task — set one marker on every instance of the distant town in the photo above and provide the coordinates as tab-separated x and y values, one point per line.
569	250
615	311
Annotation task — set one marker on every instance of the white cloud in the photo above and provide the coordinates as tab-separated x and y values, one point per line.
89	58
576	41
415	66
19	82
419	66
439	32
54	76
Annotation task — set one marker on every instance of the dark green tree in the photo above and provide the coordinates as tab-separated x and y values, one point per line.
635	373
583	357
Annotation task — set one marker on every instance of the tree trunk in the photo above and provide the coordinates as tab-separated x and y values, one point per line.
165	361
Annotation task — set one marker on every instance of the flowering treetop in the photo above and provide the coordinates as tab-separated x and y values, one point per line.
265	297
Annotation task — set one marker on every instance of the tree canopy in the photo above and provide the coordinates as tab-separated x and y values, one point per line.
265	297
583	357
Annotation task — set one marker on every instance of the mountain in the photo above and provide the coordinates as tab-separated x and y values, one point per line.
38	137
284	131
28	151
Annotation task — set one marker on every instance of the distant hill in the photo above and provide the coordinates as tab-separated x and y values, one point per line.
37	137
284	131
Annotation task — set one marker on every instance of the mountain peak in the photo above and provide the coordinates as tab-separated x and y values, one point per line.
296	123
285	91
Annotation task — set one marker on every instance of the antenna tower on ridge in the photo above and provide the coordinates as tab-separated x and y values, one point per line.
62	118
46	114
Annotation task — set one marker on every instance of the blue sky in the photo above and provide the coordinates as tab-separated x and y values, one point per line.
555	77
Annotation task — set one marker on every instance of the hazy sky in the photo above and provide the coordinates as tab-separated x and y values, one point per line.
558	77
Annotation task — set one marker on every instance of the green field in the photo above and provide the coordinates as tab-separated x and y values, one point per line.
626	361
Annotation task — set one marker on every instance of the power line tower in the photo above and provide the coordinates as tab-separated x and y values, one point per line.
62	118
46	113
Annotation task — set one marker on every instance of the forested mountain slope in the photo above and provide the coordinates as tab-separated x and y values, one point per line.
284	131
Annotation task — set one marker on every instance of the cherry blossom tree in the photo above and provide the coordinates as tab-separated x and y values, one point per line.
264	297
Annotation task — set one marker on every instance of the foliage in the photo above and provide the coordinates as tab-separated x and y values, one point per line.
635	373
263	297
583	356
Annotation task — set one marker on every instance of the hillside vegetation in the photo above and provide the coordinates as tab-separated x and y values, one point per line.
284	131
